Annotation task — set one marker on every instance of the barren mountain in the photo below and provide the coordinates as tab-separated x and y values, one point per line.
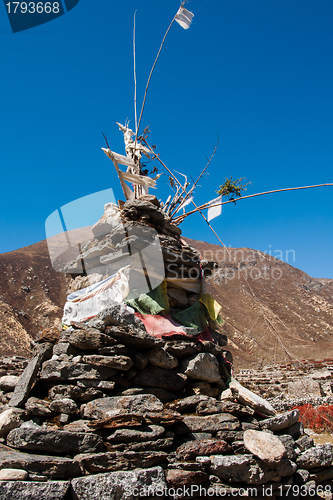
272	311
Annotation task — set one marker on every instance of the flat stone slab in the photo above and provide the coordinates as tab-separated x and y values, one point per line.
106	408
264	445
281	421
120	485
53	467
25	382
209	423
118	362
142	433
30	490
247	469
87	340
250	399
65	370
35	438
211	406
318	456
95	463
162	359
202	447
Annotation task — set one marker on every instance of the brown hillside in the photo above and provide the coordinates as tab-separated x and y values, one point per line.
288	314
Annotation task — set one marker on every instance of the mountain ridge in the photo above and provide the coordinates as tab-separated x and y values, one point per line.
272	311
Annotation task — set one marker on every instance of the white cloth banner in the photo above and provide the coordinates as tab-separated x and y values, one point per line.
88	302
214	211
184	18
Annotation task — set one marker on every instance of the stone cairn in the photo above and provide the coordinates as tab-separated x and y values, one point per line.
105	411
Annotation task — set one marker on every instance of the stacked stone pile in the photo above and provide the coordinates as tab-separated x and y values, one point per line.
119	240
101	412
105	410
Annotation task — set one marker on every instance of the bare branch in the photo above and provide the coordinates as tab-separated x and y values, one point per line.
106	140
179	219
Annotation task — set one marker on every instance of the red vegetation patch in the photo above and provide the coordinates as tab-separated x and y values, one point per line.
319	419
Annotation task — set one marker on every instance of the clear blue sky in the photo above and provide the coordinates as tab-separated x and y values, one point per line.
256	72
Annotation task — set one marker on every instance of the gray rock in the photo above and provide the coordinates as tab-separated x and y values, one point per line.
264	445
64	370
105	385
289	444
295	431
304	443
142	433
107	408
152	376
230	436
203	367
64	348
211	406
135	339
191	449
161	394
158	444
53	467
114	350
119	461
210	423
87	340
139	359
38	407
118	314
250	399
13	475
189	404
78	426
28	490
119	484
64	405
8	382
122	363
9	419
281	421
319	456
301	476
247	469
66	391
161	358
44	440
208	346
182	349
26	380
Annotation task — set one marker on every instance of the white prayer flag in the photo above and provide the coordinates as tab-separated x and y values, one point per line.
185	203
214	211
184	18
